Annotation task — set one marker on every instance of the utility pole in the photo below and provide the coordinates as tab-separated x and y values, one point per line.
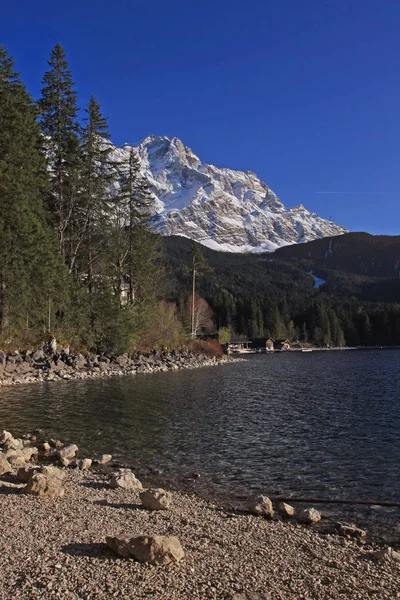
193	295
49	316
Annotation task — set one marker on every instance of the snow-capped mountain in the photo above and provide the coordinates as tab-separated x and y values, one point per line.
223	209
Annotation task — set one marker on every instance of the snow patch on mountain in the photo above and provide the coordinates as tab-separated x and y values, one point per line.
223	209
318	281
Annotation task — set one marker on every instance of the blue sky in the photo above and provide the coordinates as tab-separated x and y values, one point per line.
306	94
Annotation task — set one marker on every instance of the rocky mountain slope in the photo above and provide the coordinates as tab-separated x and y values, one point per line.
220	208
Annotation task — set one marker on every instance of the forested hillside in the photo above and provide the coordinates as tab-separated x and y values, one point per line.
270	295
358	253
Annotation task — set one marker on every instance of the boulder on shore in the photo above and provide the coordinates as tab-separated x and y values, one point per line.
154	549
124	478
12	444
46	483
24	473
285	510
156	499
5	466
308	516
260	505
68	451
16	459
347	530
82	464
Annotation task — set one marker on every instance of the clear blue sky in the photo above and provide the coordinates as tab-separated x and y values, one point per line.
305	93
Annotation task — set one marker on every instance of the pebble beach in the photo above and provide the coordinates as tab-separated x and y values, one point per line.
55	548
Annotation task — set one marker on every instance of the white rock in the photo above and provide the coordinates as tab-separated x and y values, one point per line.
124	478
156	499
260	505
309	516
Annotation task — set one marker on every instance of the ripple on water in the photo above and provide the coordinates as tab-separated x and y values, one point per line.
317	424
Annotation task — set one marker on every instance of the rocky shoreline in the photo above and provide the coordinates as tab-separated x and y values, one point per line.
39	366
83	528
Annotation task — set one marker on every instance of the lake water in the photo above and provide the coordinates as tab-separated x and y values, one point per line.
321	424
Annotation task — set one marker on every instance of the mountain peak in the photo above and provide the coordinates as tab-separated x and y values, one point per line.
221	208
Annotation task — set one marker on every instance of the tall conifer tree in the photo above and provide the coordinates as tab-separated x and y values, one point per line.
135	201
60	126
29	268
97	177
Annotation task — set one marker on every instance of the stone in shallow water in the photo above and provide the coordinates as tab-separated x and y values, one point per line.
260	505
154	549
308	516
156	499
124	478
102	459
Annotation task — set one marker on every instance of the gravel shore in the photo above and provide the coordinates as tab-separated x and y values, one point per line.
38	367
55	548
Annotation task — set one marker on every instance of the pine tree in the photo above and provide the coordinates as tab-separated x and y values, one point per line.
31	276
277	325
60	126
131	208
97	175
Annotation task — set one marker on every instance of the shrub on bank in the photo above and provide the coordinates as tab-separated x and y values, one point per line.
210	347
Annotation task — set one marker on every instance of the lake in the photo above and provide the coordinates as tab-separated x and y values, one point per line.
320	424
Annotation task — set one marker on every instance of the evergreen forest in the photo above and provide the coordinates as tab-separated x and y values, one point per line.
79	263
